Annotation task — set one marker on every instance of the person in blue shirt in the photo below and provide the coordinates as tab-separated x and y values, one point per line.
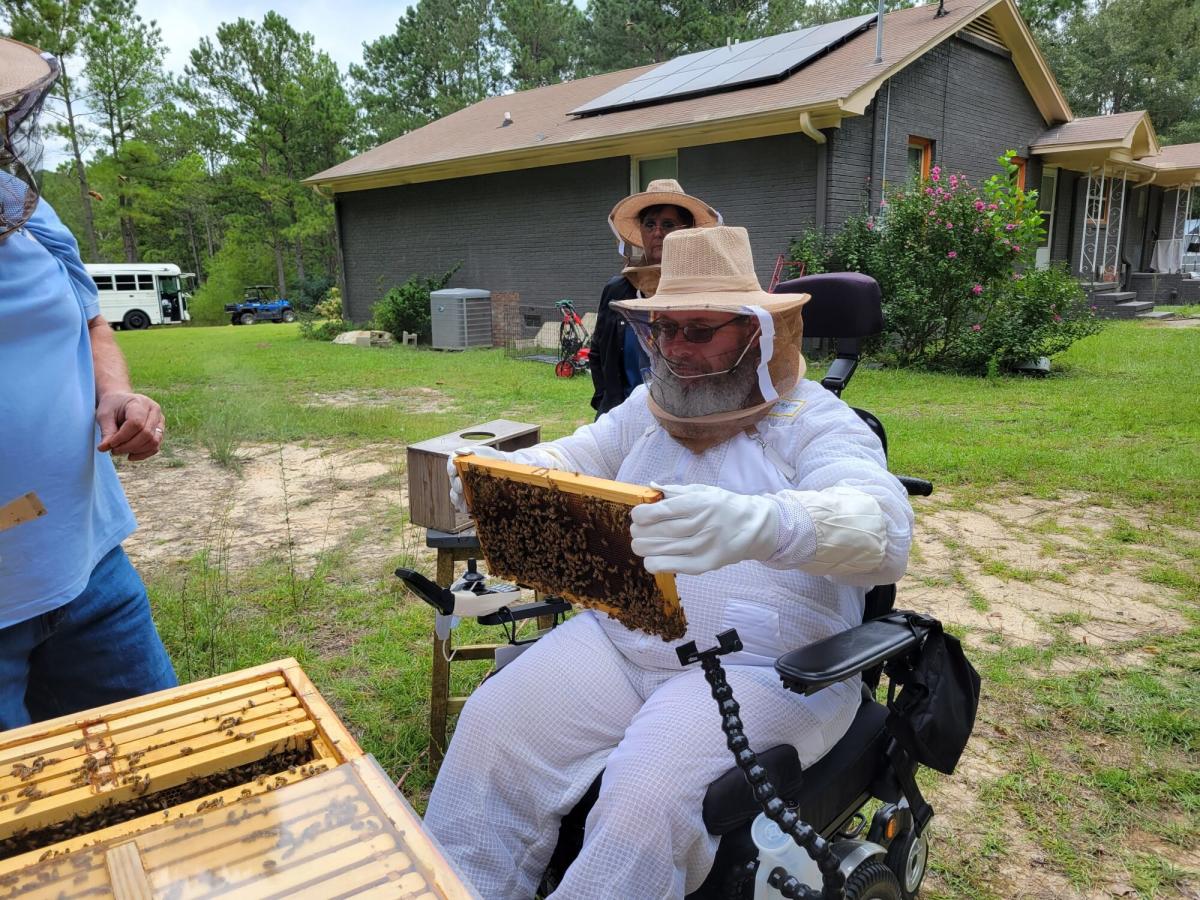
75	623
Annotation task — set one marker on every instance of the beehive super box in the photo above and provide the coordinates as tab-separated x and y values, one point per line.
246	784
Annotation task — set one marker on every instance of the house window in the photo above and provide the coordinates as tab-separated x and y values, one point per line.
920	158
646	169
103	282
1019	162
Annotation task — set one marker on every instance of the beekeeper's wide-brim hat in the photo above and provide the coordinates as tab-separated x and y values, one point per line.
625	216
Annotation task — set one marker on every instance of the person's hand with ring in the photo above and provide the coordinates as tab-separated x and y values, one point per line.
130	424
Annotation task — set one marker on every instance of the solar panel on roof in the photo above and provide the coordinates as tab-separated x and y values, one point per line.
722	68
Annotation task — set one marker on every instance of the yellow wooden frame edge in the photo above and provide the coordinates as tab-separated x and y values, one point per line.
570	482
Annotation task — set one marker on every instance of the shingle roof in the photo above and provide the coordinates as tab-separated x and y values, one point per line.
540	117
1089	130
1178	156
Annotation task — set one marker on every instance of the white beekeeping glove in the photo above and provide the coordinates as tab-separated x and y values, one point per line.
697	528
456	488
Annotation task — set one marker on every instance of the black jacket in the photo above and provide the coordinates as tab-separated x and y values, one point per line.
606	359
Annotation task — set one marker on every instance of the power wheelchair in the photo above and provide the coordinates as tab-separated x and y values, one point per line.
884	858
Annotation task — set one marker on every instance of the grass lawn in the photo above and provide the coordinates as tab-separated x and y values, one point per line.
1119	417
1082	774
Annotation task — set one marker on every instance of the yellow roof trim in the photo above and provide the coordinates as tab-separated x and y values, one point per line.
1081	157
693	134
1027	58
1150	145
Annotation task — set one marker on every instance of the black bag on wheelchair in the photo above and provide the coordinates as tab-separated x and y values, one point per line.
934	714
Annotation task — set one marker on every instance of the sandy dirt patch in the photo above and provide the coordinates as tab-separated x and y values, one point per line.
1027	568
408	400
315	498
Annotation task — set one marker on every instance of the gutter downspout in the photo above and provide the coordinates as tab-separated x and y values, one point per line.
806	125
887	116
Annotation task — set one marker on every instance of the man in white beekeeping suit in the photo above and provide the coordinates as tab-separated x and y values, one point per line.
778	514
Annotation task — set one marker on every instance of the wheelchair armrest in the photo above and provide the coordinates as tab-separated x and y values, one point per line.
549	607
840	371
836	658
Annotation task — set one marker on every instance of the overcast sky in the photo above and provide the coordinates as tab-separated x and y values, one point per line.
339	28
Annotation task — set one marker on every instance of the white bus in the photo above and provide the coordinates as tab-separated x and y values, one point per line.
138	295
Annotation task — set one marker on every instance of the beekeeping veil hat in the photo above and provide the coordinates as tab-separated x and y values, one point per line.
26	76
643	277
625	218
710	270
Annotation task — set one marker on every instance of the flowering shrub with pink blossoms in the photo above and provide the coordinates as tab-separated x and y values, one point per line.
947	255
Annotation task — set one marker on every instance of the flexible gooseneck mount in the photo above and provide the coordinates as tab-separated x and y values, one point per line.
833	881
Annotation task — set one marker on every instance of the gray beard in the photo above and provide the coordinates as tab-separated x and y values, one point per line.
690	398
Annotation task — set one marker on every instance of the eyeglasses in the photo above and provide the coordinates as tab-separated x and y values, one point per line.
666	226
666	330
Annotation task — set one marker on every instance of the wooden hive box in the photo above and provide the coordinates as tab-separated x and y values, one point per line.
428	483
246	784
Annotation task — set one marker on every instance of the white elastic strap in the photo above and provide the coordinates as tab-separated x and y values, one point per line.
766	345
612	226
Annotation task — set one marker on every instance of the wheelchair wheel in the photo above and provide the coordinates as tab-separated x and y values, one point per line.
872	881
907	858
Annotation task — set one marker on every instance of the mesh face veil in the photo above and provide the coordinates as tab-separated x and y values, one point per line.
722	351
26	78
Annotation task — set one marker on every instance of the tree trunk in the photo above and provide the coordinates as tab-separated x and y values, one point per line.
280	271
89	225
209	240
191	233
300	262
129	235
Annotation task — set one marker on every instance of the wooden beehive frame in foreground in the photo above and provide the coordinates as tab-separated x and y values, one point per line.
85	765
297	810
648	602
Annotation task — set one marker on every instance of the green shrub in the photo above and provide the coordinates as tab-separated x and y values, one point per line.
947	255
406	306
307	293
331	306
314	328
813	248
1038	313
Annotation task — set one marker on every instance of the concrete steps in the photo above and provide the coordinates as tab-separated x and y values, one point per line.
1156	315
1119	304
1129	310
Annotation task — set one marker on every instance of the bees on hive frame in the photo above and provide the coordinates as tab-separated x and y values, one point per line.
569	545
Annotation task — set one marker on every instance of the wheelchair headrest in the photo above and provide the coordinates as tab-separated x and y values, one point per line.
843	304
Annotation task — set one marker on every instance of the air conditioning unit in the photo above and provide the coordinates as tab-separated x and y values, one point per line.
460	318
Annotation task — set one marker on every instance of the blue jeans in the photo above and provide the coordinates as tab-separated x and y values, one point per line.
99	648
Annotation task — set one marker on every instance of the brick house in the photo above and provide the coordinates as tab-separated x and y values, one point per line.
517	187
